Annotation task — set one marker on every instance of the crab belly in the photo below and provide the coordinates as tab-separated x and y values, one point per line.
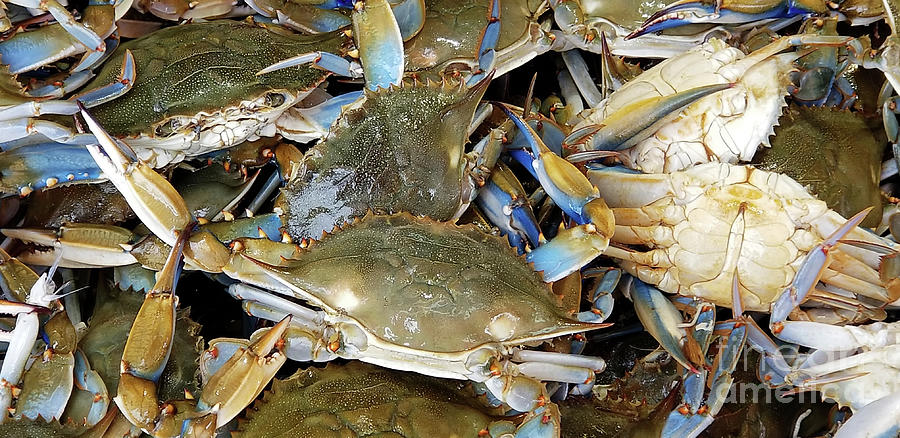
705	250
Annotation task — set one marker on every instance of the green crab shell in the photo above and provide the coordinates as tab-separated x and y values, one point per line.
453	31
834	153
416	285
401	149
314	402
203	68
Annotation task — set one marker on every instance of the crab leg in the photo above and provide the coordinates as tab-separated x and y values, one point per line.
662	320
601	298
325	60
314	123
34	109
486	46
559	367
695	415
809	274
83	34
124	82
305	339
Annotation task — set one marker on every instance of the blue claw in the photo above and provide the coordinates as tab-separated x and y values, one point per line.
410	16
380	44
556	175
570	189
124	82
505	203
685	12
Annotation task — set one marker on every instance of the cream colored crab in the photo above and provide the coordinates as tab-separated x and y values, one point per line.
725	126
711	221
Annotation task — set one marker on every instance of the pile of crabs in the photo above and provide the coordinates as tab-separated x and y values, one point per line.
330	178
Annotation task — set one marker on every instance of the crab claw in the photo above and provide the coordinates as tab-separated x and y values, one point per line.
237	383
155	202
684	12
570	189
380	43
661	319
148	346
639	120
504	201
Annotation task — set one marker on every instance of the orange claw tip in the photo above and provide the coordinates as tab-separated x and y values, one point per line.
483	432
684	409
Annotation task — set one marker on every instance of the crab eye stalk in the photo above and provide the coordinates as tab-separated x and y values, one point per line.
274	100
170	127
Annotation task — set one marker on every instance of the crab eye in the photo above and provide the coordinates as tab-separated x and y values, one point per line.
168	128
274	100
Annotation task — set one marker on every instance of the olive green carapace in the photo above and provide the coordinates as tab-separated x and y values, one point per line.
402	150
204	67
361	400
453	31
832	152
405	279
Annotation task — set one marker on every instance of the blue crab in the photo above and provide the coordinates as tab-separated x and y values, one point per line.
222	107
311	400
585	24
726	125
756	223
403	278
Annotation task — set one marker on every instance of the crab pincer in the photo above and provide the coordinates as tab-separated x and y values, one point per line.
234	385
570	189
